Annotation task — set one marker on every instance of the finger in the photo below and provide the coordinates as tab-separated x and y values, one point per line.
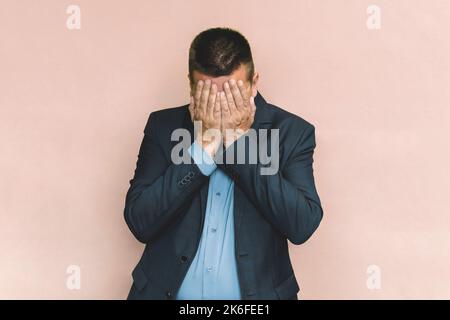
239	102
243	90
217	103
198	92
205	95
229	97
224	104
216	111
191	107
212	99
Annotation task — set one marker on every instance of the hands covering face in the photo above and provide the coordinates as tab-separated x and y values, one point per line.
237	106
205	105
231	111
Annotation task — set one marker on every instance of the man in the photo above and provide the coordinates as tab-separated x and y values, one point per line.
218	229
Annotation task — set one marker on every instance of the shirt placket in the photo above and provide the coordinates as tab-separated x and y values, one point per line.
212	244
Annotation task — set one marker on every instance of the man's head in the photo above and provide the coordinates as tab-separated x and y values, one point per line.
220	54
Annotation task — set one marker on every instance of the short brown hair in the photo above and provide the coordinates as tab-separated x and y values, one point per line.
218	52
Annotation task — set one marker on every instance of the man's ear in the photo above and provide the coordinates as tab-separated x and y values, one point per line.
255	84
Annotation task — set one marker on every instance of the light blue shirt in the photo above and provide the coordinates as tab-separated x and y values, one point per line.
213	272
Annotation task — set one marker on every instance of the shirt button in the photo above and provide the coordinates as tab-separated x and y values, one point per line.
213	230
209	269
218	194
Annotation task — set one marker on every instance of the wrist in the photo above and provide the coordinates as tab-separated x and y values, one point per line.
210	141
232	135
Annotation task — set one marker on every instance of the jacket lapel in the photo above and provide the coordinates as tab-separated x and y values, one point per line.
262	120
187	124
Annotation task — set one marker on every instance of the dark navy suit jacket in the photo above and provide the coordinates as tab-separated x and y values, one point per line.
166	202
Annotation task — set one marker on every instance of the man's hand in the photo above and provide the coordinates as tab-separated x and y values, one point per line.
205	107
238	111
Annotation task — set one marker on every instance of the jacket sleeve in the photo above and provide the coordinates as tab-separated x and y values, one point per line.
159	189
288	198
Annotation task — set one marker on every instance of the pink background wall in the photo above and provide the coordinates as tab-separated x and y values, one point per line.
73	105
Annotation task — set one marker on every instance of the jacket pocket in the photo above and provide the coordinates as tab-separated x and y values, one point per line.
288	288
139	277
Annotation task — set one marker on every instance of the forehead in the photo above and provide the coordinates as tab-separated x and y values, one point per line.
238	74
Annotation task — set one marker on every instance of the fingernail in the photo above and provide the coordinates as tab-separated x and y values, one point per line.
226	84
240	82
208	81
232	81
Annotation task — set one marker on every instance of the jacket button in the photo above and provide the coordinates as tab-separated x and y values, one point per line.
183	259
168	294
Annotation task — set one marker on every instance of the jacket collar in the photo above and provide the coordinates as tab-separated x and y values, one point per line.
262	115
